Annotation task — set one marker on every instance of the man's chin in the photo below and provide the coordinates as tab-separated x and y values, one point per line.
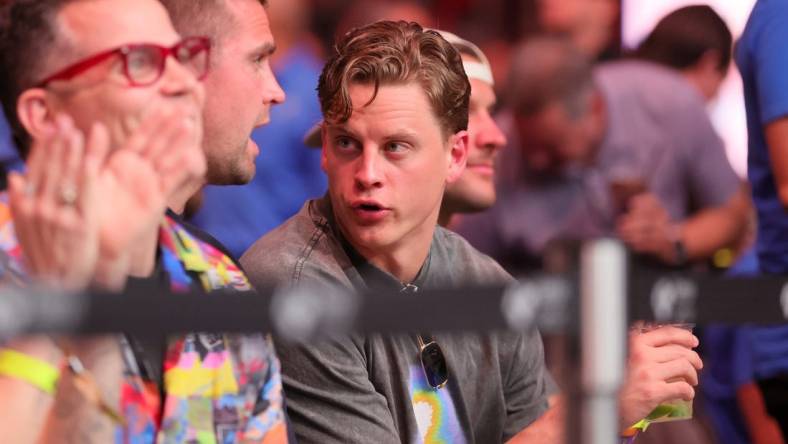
366	238
240	175
247	176
470	197
244	171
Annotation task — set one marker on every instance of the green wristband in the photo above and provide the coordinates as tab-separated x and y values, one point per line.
34	371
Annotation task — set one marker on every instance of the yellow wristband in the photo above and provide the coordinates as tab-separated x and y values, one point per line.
37	372
639	426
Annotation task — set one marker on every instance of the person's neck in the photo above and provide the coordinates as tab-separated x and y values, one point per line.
404	258
445	216
404	263
177	201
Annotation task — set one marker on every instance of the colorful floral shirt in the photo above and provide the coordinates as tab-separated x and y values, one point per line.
216	388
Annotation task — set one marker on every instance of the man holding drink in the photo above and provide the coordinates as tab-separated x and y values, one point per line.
623	149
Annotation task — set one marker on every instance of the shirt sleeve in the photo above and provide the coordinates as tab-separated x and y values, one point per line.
330	398
770	61
525	384
711	179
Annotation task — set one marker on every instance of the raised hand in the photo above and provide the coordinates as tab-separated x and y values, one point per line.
161	156
647	228
52	206
86	212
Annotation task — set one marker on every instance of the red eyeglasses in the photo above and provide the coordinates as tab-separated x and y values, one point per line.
143	64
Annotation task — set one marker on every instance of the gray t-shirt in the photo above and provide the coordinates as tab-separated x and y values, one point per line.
657	130
371	389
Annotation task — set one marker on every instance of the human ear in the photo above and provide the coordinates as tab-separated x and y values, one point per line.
457	155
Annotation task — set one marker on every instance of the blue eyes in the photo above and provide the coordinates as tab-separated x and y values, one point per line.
346	143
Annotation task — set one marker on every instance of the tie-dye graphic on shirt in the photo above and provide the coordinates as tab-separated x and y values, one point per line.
218	388
435	413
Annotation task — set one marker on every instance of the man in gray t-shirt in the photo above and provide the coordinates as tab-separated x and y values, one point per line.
625	149
373	388
395	105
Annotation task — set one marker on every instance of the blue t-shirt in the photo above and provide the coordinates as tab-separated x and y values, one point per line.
762	58
288	173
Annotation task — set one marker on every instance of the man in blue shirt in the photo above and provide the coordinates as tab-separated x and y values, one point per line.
761	57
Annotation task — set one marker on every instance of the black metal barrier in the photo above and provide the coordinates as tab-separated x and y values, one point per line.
544	301
297	313
706	299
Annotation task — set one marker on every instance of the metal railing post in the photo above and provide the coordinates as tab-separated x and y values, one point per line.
603	338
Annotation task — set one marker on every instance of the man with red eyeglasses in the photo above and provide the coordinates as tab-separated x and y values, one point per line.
107	110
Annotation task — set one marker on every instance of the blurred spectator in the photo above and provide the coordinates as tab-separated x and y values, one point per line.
287	172
496	26
365	12
608	151
761	373
474	190
760	56
325	18
333	18
694	40
589	24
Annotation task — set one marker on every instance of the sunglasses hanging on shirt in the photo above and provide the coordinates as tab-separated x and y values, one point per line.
432	360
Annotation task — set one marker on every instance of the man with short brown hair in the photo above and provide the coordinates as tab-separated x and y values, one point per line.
395	103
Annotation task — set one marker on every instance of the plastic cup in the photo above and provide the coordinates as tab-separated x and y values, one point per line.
677	409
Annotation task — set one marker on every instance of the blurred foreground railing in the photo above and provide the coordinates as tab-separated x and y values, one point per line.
592	306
